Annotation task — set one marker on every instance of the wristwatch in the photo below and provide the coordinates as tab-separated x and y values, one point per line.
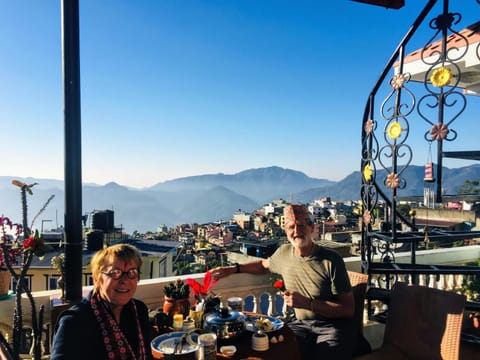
237	265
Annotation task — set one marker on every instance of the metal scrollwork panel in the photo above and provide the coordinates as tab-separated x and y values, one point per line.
384	250
443	103
369	142
395	109
442	24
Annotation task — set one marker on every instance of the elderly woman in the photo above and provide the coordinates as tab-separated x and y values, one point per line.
108	323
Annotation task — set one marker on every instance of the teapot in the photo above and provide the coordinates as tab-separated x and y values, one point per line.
227	324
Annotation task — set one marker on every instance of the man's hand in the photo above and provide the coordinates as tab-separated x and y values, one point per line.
295	299
253	267
223	271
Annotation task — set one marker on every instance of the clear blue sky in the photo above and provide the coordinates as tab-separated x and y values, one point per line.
174	88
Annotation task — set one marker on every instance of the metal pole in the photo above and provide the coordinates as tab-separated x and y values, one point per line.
73	158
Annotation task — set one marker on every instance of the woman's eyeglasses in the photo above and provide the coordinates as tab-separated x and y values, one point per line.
116	274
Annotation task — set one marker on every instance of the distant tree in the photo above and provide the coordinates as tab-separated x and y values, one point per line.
182	267
197	268
470	187
161	236
211	264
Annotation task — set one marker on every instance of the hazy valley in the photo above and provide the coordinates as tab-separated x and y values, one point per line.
204	198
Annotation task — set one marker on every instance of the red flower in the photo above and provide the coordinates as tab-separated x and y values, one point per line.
278	284
29	243
35	244
200	290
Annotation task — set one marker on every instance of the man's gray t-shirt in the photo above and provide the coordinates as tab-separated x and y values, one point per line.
322	275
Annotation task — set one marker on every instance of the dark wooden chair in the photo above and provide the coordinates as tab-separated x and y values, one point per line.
422	323
359	284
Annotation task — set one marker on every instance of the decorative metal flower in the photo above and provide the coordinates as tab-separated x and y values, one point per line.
367	217
441	77
398	80
369	126
392	180
394	130
439	131
368	172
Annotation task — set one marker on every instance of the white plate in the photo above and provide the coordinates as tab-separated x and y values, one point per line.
165	343
250	323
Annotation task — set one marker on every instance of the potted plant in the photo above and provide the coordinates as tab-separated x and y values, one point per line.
19	244
176	298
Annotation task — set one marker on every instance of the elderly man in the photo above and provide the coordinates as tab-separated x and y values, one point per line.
317	288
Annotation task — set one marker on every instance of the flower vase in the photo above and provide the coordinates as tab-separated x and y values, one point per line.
197	317
176	306
5	278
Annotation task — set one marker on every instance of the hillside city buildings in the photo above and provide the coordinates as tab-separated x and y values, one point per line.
195	247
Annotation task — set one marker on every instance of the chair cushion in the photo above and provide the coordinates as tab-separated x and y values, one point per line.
419	319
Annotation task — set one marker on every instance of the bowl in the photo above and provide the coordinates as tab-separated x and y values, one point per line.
228	350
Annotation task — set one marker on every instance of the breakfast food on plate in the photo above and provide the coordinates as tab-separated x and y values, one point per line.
264	324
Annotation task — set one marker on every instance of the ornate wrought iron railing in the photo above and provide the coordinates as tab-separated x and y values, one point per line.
428	84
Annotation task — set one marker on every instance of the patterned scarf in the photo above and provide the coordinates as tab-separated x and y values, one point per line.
115	341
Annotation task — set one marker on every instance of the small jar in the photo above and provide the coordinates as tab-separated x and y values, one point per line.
188	325
235	303
207	347
260	341
178	321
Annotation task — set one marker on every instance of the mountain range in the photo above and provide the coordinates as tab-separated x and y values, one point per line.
204	198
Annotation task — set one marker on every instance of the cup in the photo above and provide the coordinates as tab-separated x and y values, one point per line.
188	325
235	303
260	341
207	347
197	317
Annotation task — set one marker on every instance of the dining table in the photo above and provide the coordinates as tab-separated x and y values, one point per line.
286	349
